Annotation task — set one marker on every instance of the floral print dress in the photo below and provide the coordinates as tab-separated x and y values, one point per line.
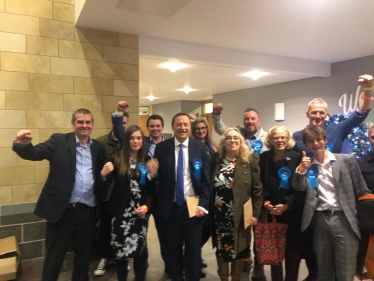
224	210
129	233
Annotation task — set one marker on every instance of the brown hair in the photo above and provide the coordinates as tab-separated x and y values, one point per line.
81	111
312	131
208	138
123	156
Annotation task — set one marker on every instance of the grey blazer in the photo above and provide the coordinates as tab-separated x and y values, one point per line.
348	183
220	128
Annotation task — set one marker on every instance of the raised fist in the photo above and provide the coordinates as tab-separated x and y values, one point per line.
24	136
217	108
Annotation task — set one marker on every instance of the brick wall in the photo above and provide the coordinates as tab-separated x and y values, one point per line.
48	68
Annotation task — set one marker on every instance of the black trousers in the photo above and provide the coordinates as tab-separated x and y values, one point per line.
164	245
104	239
140	267
181	230
76	225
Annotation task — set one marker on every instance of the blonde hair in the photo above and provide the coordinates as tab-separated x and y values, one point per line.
271	133
243	148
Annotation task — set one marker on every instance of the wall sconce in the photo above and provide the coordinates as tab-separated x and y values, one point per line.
279	112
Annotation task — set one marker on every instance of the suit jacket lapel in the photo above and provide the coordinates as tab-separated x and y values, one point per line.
72	151
93	148
191	156
171	159
335	166
239	170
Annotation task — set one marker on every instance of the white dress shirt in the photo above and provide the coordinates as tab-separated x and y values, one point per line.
328	197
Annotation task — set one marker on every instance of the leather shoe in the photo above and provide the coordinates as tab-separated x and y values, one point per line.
203	264
203	273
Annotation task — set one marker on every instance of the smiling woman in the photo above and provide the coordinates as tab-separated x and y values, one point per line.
129	203
235	174
280	197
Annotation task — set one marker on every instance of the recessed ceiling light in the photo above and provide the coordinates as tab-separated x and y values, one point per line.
174	65
255	74
187	90
151	97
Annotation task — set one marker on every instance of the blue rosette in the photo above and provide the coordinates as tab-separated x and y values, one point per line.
284	174
257	146
142	166
197	163
329	146
312	175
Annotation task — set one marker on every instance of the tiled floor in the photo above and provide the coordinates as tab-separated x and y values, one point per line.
30	270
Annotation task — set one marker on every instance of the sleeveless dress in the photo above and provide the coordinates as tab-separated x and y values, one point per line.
129	233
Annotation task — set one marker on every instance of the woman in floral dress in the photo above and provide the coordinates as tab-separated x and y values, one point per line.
235	179
129	203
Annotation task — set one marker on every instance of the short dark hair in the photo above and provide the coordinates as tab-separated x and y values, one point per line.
155	117
81	111
250	109
313	131
180	114
126	114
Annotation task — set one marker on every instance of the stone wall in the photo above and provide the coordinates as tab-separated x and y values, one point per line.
48	68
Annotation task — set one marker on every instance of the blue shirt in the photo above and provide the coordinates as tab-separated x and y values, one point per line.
336	133
84	176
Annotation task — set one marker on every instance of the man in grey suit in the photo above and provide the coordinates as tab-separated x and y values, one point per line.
330	205
251	129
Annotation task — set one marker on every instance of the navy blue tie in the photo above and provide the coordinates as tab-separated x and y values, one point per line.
179	193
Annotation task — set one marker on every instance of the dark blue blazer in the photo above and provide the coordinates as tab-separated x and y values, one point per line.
165	154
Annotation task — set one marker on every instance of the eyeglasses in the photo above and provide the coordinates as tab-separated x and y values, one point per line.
200	129
234	138
280	138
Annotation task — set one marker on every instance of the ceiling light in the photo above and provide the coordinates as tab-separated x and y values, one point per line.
151	97
173	65
187	90
255	74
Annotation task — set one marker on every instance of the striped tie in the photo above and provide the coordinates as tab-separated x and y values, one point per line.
151	150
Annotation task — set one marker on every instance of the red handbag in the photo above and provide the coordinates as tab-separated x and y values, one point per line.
270	242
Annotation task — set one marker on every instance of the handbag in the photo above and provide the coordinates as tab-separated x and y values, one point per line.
270	242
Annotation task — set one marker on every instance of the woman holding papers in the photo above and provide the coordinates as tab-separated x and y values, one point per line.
235	179
277	166
129	203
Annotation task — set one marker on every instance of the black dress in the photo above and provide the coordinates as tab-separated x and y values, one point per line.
129	232
224	210
294	199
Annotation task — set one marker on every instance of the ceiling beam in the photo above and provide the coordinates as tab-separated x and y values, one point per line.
151	46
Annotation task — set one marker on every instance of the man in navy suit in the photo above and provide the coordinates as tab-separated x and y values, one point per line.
69	197
175	188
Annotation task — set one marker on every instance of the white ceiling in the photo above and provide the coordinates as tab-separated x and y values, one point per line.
291	39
